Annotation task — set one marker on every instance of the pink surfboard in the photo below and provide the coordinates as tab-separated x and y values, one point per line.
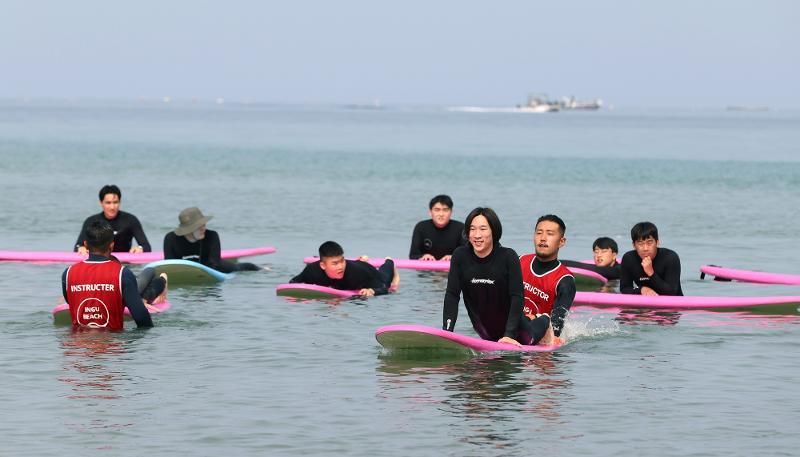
405	264
682	302
749	276
313	291
588	276
61	314
126	257
423	337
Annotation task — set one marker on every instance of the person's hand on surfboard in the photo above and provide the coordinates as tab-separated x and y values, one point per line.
427	257
648	292
366	292
136	250
508	340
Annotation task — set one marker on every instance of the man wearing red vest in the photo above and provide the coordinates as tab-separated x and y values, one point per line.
549	287
99	288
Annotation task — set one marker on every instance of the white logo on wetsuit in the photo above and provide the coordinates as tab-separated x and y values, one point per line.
482	281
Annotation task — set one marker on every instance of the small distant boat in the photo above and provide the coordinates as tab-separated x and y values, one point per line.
572	103
376	104
538	103
748	109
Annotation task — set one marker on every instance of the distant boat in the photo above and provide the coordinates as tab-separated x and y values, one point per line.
749	109
376	104
572	103
538	103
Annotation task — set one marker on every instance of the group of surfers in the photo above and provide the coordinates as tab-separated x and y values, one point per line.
509	298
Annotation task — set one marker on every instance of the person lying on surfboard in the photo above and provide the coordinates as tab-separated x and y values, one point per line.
649	269
605	252
488	275
99	288
192	241
125	225
436	238
333	270
549	287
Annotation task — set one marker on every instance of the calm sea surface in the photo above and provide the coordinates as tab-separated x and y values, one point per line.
234	370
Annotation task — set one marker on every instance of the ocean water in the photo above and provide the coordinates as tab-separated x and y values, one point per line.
233	369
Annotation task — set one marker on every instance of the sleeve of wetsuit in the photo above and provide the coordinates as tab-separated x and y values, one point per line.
416	243
626	276
81	236
304	276
130	294
170	249
670	284
609	272
214	250
64	285
515	294
565	294
138	233
452	294
378	285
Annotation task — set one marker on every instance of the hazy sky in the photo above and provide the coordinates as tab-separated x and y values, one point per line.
641	53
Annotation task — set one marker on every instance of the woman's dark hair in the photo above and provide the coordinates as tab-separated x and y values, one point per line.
330	249
491	217
643	231
605	242
443	199
110	189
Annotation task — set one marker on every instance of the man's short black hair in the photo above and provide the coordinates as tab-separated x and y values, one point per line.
443	199
643	231
605	242
491	217
110	189
99	235
553	218
330	249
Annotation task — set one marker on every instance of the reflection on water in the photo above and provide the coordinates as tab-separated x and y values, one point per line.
95	375
497	398
638	316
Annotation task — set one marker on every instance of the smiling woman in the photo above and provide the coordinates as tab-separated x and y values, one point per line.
490	279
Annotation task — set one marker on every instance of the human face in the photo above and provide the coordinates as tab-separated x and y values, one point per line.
440	215
604	257
480	236
547	240
110	205
647	247
333	266
200	233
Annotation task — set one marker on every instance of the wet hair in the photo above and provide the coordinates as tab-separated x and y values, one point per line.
553	218
110	189
605	242
643	231
443	199
330	249
99	235
491	217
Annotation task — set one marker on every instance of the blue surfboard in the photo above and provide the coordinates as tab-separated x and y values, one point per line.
188	272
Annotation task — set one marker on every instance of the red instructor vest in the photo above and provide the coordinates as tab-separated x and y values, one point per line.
540	290
94	294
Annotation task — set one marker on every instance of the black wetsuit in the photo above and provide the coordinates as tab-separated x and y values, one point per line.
438	242
565	294
357	275
207	251
130	293
666	279
610	273
126	227
492	289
